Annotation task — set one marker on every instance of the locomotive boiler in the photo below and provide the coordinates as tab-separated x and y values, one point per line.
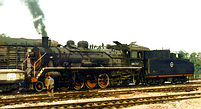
71	64
120	64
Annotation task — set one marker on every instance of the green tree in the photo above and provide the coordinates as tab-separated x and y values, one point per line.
4	35
195	58
183	54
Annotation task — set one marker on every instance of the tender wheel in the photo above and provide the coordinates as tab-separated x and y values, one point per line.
148	82
161	81
174	81
39	86
183	80
103	80
78	84
91	81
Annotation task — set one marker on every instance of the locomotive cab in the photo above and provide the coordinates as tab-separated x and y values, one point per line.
136	58
137	55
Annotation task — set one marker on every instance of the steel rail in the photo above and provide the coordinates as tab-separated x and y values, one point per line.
87	94
119	103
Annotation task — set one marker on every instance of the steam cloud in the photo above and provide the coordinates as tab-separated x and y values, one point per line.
37	15
1	2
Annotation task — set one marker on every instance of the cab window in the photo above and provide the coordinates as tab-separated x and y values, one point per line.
134	54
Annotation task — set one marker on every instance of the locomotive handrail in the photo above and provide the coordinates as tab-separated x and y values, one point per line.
41	71
37	62
22	66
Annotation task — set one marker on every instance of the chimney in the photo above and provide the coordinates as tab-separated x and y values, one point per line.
45	42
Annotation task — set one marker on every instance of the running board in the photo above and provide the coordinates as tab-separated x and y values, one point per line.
85	68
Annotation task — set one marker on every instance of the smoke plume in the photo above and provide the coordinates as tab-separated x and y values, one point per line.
1	2
37	15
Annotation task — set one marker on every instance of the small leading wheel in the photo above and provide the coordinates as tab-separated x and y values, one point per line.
78	84
91	81
39	86
103	80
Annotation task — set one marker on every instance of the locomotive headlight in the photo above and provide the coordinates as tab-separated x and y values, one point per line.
11	76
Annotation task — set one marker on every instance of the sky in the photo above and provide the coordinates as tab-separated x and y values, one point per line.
157	24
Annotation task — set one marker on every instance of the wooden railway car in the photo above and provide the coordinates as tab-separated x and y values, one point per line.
13	54
11	79
13	51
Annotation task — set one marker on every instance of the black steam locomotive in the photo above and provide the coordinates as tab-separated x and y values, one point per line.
119	64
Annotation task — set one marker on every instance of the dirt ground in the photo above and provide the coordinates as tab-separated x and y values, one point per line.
184	104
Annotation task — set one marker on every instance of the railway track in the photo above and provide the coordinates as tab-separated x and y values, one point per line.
73	95
117	103
149	88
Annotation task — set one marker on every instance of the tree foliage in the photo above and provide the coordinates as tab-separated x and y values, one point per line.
4	35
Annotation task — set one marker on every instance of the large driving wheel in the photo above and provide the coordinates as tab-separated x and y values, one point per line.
39	86
78	84
64	88
103	80
91	81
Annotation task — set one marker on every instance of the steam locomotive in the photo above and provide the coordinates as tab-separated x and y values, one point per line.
82	66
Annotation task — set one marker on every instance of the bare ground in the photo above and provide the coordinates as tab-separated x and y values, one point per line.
184	104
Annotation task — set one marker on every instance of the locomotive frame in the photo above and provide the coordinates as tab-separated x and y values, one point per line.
81	67
120	64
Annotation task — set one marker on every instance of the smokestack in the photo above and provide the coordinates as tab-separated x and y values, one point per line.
45	42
